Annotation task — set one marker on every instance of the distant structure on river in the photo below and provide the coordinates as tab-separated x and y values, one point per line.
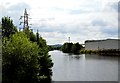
69	39
102	44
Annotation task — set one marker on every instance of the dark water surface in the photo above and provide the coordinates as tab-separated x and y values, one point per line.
83	67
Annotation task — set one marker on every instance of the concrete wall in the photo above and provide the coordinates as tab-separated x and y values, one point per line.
102	44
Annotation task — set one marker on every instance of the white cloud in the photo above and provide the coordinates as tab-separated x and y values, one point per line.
59	19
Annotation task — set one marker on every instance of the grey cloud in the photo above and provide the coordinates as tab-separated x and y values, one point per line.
89	7
19	7
79	11
99	22
62	28
7	3
78	31
15	11
104	27
96	25
109	31
115	6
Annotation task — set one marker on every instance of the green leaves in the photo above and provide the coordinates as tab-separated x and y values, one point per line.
71	48
20	55
76	48
25	56
67	47
30	34
45	60
7	27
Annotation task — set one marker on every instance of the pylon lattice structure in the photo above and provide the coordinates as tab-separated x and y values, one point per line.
25	20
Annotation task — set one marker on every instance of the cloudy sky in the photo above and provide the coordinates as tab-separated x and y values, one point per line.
57	20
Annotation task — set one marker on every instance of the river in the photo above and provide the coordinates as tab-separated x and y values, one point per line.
69	67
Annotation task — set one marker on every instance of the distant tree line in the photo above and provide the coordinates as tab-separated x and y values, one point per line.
53	47
71	48
25	57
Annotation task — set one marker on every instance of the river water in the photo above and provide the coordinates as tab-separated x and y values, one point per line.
69	67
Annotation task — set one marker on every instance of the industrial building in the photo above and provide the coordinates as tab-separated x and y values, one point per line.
102	44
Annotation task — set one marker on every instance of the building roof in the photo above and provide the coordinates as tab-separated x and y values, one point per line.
100	40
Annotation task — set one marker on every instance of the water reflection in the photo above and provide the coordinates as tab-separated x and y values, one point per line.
69	67
73	56
100	57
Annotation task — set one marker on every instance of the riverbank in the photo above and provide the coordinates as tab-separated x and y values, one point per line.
110	52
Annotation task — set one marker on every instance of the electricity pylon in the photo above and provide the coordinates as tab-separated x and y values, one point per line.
69	39
25	20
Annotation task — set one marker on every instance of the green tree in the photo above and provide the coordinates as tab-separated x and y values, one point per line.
32	37
71	48
50	48
64	47
0	30
30	34
45	60
20	59
76	48
67	47
37	37
25	56
7	27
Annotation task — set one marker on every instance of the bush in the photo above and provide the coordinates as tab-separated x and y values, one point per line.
94	51
82	51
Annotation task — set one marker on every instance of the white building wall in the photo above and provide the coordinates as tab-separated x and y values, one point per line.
108	44
91	46
112	44
102	44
